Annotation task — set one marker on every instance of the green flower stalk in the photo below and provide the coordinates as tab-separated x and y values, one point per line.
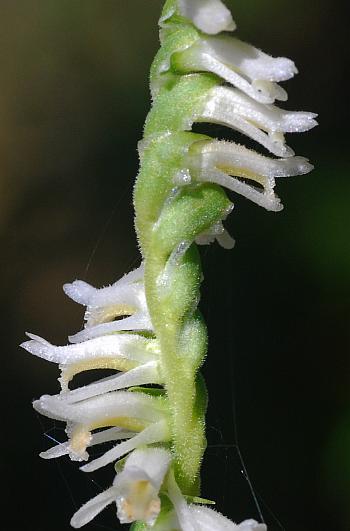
200	74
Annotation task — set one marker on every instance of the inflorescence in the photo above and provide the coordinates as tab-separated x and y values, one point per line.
147	326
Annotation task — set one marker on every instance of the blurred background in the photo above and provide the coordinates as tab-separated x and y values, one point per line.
73	99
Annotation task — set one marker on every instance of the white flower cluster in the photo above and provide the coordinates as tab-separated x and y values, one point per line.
124	345
118	332
245	102
104	411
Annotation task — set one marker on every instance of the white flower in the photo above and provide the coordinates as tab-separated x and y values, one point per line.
210	16
215	103
133	353
146	416
266	124
225	163
125	298
135	490
241	64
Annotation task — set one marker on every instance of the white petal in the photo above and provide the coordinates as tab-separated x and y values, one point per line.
129	346
210	16
219	153
79	291
221	162
113	301
269	200
124	297
138	321
141	375
111	434
56	451
230	107
251	61
92	508
83	293
103	407
240	64
152	434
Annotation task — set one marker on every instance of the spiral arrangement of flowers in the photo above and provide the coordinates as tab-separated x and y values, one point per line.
147	325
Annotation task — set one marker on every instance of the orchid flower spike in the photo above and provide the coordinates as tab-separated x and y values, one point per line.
146	326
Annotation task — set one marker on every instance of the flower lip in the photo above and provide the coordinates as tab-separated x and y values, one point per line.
139	483
135	490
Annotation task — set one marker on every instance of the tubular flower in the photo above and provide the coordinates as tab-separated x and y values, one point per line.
135	489
146	326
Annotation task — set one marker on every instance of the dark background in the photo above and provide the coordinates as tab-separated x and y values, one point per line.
73	99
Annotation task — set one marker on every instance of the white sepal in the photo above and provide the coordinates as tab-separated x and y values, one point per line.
92	508
141	375
94	410
131	347
122	352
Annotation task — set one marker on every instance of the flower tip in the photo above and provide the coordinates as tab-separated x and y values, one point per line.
74	522
251	525
285	69
210	16
79	291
